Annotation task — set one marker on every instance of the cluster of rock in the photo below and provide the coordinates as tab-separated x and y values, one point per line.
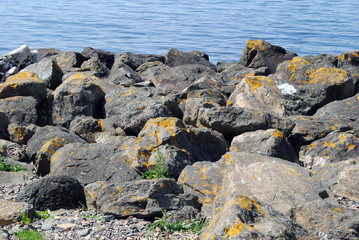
260	147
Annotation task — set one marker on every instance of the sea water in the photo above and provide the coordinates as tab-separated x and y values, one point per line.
216	27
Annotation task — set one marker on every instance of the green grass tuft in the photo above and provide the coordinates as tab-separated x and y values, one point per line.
29	235
10	167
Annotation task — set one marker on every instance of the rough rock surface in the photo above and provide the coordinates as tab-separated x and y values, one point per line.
11	212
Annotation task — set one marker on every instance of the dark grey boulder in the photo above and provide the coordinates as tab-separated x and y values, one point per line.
53	192
325	59
78	95
20	110
69	60
348	59
143	198
259	53
16	60
175	58
91	163
108	58
136	60
122	74
21	133
48	71
95	67
4	123
48	52
86	128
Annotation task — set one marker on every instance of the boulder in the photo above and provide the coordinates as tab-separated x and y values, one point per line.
48	71
348	59
4	234
142	199
273	143
232	121
91	163
175	58
170	80
334	147
136	60
132	107
259	93
325	59
48	52
16	60
313	85
348	183
78	95
196	144
108	58
23	84
53	192
69	60
259	53
20	110
86	127
122	74
21	133
94	67
11	212
4	123
247	218
44	144
12	150
14	178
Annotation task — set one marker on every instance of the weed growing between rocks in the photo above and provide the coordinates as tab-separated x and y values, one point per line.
42	214
24	234
10	167
160	170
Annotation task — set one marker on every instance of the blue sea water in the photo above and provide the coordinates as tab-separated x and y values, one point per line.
219	28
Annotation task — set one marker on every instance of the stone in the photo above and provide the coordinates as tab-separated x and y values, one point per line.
259	53
136	60
142	199
175	58
48	52
23	84
90	163
132	107
12	150
21	133
69	60
86	128
4	123
4	234
326	59
16	60
11	178
108	58
78	95
20	110
334	147
273	143
48	71
53	192
44	144
348	183
122	74
348	59
11	212
259	93
94	67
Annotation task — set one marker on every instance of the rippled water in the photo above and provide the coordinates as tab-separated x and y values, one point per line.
219	28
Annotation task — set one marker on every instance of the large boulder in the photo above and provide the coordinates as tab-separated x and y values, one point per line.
348	59
20	110
143	198
48	71
69	61
21	134
334	147
53	192
16	60
259	93
91	163
12	150
4	123
105	57
259	53
11	212
175	58
132	107
136	60
23	84
44	144
78	95
122	74
273	143
87	128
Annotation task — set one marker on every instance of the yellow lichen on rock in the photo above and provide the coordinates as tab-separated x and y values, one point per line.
23	76
332	76
294	65
278	134
234	230
256	44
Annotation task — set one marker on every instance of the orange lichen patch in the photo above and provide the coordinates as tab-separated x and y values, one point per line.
229	102
294	171
52	145
228	159
349	55
256	44
278	134
234	230
247	203
248	75
22	77
338	210
323	175
311	146
351	146
233	149
294	65
254	84
332	76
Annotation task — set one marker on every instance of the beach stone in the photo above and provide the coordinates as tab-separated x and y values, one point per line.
11	178
48	71
198	144
248	218
91	163
94	67
136	60
4	234
48	52
23	84
69	60
122	74
348	59
4	123
348	183
334	147
20	110
132	107
232	121
273	143
44	144
142	199
11	212
16	60
175	58
86	127
53	192
325	59
78	95
259	53
12	150
108	58
259	93
21	133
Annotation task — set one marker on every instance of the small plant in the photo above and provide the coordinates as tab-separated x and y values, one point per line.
160	170
10	167
25	220
42	214
29	235
95	217
166	225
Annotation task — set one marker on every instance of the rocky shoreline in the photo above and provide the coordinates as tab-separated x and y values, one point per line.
263	148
